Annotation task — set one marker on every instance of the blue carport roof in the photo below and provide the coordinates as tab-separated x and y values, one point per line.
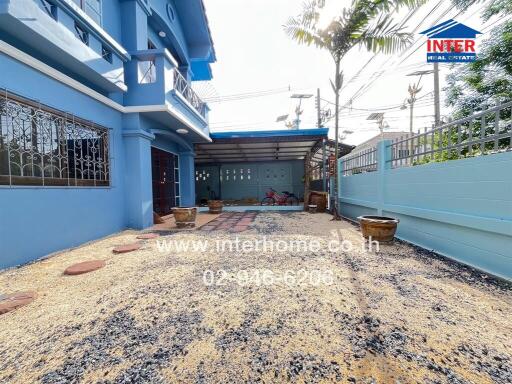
249	146
273	133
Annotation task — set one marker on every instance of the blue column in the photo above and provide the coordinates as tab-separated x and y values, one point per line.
134	14
187	179
138	178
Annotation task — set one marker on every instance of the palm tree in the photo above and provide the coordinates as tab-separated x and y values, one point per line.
366	23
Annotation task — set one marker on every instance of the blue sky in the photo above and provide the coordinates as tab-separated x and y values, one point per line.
257	58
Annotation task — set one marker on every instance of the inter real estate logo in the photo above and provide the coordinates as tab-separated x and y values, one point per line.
451	42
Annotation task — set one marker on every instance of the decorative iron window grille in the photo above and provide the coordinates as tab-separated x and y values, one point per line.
40	146
82	34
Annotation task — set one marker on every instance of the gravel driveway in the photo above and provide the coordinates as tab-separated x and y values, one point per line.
220	315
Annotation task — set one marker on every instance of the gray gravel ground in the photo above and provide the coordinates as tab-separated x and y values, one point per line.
400	315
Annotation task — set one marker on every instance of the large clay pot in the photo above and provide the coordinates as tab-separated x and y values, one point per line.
185	217
379	228
318	199
215	206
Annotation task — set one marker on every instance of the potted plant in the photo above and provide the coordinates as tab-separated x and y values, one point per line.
185	217
379	228
215	206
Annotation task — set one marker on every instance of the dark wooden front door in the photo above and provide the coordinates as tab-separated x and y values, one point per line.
164	169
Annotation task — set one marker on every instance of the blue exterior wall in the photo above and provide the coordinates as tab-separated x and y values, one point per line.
42	60
36	221
461	209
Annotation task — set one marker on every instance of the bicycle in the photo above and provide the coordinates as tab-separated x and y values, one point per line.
274	198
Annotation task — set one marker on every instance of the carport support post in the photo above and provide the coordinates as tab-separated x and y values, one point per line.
187	180
307	170
383	164
324	159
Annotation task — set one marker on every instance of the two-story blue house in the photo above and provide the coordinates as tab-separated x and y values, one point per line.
98	117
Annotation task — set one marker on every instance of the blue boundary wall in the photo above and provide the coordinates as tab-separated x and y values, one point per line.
461	209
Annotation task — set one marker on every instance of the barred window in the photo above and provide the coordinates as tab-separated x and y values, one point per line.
40	146
92	8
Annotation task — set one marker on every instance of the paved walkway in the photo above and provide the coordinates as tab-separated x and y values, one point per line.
231	221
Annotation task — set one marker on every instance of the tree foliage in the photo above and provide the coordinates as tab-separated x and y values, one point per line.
487	81
367	23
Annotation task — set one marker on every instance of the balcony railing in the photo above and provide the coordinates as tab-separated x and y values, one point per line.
182	86
158	73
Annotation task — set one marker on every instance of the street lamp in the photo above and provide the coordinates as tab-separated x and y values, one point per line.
413	90
437	103
378	117
298	112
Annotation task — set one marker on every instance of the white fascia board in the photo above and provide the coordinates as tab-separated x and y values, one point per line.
174	112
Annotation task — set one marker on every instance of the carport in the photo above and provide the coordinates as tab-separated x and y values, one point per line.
239	167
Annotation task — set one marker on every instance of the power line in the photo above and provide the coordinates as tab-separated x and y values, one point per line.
366	87
246	95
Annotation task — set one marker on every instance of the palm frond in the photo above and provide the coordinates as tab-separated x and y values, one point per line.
384	35
386	43
303	28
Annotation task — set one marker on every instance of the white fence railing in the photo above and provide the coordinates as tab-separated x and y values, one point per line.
482	133
360	162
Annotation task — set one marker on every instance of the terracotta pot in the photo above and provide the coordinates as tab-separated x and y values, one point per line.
379	228
185	217
318	199
215	206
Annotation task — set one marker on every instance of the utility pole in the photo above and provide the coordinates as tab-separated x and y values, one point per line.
336	86
414	89
318	109
437	103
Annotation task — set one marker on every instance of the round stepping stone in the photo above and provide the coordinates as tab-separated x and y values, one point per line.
148	236
127	248
16	300
84	267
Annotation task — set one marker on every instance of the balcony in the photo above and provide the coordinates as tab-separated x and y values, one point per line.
153	78
67	39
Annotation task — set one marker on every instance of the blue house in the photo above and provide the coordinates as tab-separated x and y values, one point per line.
98	117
